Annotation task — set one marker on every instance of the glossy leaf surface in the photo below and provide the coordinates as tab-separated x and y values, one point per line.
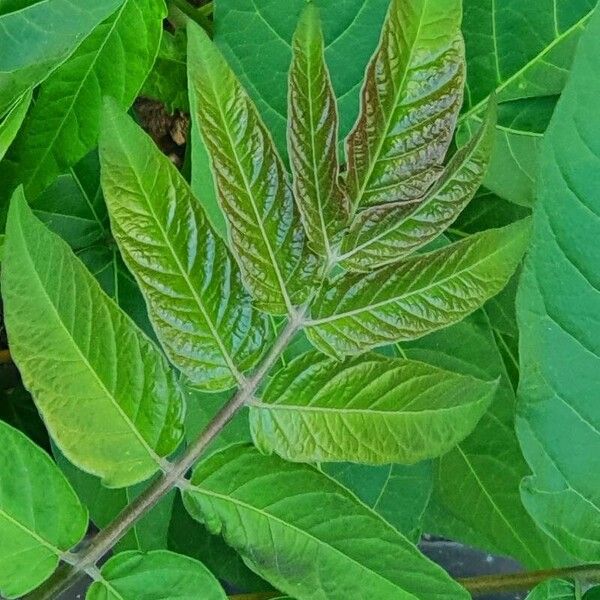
38	36
158	575
10	124
116	408
264	224
200	310
312	136
287	518
410	101
411	298
383	234
260	53
558	305
40	515
368	409
64	123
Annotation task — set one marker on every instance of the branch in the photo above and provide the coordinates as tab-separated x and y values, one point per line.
517	582
82	561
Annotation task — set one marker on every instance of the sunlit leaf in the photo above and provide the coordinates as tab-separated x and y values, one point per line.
10	124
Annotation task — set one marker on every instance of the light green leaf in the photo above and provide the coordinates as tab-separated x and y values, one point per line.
260	52
555	589
368	409
411	298
9	127
64	122
476	496
167	81
410	101
383	234
116	408
38	36
399	493
210	331
312	137
265	228
518	51
558	420
158	575
288	518
40	515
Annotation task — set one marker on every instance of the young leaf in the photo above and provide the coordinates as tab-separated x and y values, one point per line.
367	409
555	589
40	515
312	136
410	101
9	127
399	493
409	299
265	228
38	36
157	575
558	421
64	123
383	234
106	394
200	310
288	519
261	51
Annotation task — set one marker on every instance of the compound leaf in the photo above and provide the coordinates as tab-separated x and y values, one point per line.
40	515
411	298
368	409
105	392
200	310
289	518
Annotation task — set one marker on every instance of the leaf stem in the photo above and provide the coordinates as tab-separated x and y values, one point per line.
516	582
102	543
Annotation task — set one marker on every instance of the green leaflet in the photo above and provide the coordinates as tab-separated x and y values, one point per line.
367	409
520	51
312	137
399	493
293	525
64	123
265	228
167	81
555	589
9	127
38	36
410	101
558	420
383	234
73	206
40	515
485	508
260	52
200	310
158	575
116	408
411	298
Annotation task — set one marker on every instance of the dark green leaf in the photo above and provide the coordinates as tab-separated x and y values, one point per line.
410	101
40	515
306	535
158	575
200	310
558	305
411	298
312	137
368	409
116	408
